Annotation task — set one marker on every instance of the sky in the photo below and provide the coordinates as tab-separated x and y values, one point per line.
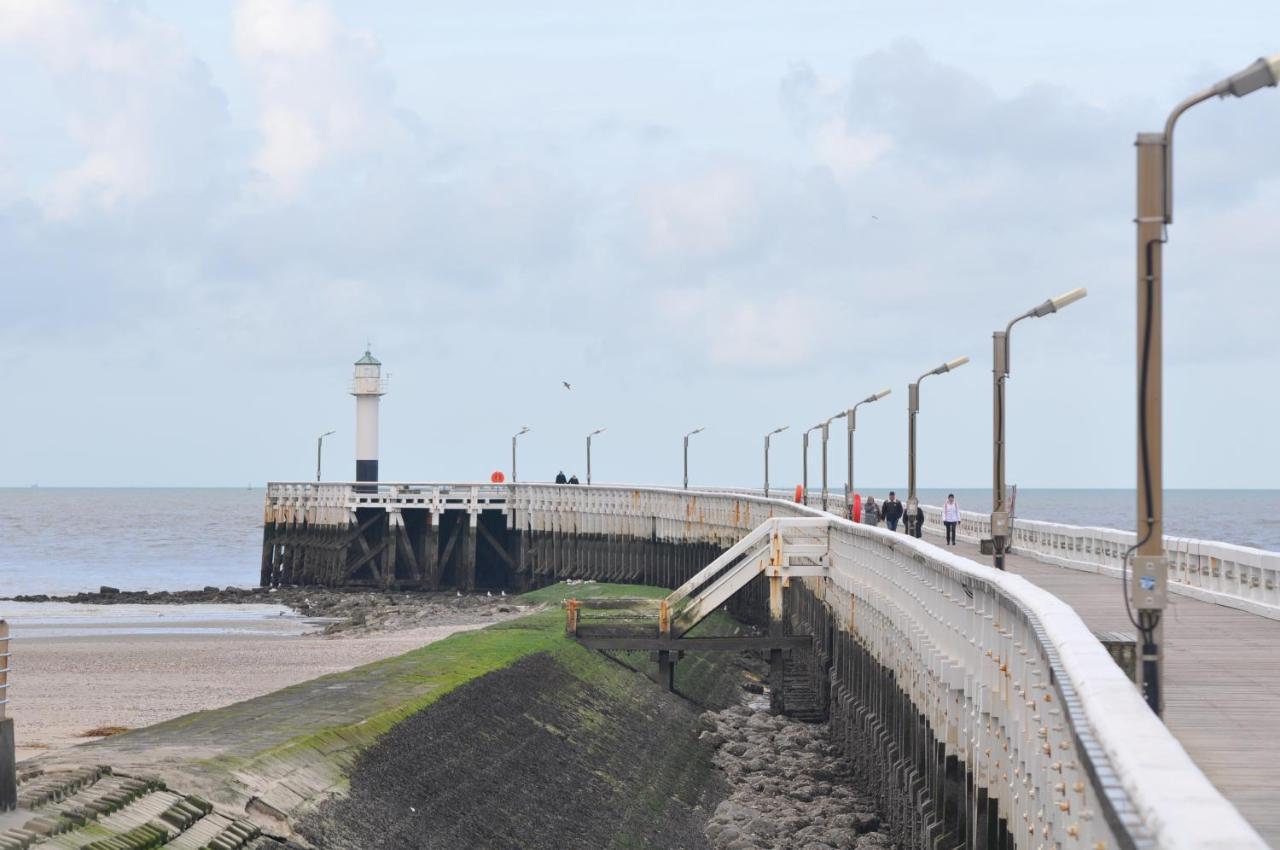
737	215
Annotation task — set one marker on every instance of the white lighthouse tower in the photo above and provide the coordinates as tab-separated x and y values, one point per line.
368	387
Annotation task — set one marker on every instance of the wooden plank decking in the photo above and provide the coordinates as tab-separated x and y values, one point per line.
1222	688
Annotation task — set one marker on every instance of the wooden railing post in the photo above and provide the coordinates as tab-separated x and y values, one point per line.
8	761
571	617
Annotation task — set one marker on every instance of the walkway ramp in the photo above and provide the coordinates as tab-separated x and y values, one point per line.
779	549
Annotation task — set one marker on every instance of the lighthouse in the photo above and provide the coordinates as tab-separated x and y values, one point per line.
368	387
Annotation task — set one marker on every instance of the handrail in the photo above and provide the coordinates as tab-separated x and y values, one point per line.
1226	574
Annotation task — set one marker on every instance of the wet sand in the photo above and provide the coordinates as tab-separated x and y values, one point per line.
63	686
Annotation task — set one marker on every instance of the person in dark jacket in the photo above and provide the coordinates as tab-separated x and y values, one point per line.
891	510
919	526
560	479
573	479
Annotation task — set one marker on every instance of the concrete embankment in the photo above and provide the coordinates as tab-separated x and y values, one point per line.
509	737
517	705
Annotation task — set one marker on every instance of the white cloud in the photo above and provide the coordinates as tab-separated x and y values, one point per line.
321	92
141	113
700	217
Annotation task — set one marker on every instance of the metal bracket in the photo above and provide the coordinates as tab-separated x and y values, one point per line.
1149	582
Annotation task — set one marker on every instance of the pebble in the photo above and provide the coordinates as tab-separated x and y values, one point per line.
790	787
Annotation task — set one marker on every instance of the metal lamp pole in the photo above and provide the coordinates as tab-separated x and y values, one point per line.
804	472
1149	579
826	427
697	430
778	430
319	449
913	407
1000	371
851	419
589	436
524	429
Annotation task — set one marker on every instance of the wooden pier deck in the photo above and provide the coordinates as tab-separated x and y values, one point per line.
1222	688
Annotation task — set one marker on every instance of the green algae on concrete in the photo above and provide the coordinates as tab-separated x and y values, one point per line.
276	755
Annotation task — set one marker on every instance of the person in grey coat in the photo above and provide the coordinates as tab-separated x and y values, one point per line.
870	512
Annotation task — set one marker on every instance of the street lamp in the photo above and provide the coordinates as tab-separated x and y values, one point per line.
778	430
999	372
524	429
826	427
851	419
589	436
320	448
913	407
804	471
1148	583
697	430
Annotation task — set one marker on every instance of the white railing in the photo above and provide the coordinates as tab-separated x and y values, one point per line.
1233	576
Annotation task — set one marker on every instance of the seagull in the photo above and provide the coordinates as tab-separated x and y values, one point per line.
504	593
458	592
566	385
489	593
875	217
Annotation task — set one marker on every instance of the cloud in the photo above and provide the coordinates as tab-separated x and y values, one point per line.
321	92
701	217
142	115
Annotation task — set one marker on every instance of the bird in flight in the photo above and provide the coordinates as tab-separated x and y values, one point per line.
566	385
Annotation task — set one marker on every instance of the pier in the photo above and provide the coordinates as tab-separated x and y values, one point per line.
985	703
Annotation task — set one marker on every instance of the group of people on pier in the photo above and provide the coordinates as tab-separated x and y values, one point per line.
572	479
892	511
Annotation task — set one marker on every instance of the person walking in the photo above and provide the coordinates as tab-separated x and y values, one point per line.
560	479
951	518
918	529
870	512
891	510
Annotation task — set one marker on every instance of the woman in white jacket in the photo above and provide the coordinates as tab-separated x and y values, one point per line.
951	518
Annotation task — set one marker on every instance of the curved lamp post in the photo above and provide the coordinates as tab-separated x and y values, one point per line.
777	430
913	407
1000	371
826	427
851	419
698	430
804	470
524	429
589	436
320	448
1149	578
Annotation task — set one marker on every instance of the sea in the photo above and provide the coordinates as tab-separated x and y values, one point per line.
60	541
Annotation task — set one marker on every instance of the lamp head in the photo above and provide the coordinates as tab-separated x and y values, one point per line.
779	430
596	431
328	433
697	430
1265	72
1053	305
951	364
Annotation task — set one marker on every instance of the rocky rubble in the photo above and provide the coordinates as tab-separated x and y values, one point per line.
791	789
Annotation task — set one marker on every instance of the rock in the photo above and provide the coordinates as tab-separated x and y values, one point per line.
790	787
711	739
108	591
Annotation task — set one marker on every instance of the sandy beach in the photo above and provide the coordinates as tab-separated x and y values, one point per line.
131	669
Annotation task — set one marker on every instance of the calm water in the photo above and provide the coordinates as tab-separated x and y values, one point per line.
66	540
